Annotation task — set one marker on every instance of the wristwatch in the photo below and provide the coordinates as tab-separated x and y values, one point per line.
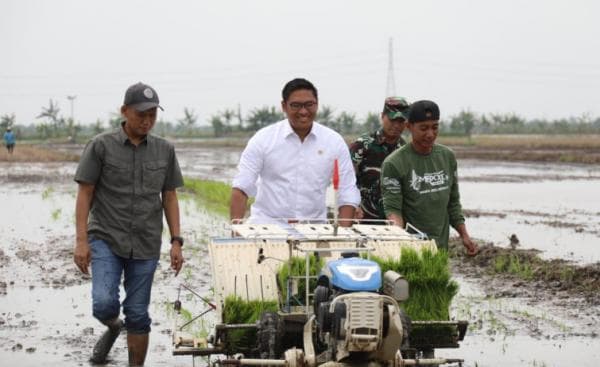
178	239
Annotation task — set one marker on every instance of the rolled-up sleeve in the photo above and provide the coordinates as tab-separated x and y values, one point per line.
348	193
90	163
249	168
174	177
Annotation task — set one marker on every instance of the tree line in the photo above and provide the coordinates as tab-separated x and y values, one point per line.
231	122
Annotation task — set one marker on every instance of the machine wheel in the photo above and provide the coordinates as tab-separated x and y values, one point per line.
321	295
406	328
270	335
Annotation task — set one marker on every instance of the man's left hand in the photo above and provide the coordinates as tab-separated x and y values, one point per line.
176	257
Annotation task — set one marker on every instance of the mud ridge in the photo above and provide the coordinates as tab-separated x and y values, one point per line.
508	272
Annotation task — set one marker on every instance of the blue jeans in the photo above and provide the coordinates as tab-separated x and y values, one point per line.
106	278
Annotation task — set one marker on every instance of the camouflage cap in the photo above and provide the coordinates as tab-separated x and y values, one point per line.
396	107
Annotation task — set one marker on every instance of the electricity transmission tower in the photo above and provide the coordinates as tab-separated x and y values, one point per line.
72	100
390	89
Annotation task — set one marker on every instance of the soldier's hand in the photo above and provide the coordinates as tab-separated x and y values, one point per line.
82	256
176	257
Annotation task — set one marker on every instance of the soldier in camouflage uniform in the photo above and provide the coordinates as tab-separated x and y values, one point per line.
369	151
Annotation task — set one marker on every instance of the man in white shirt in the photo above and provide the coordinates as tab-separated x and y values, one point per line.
288	165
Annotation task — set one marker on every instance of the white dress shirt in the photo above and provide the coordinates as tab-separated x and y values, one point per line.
289	178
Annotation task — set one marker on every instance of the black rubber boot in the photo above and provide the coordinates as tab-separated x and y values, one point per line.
106	341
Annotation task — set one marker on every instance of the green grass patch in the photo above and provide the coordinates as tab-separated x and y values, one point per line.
239	311
215	196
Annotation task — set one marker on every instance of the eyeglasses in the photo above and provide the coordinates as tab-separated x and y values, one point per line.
297	106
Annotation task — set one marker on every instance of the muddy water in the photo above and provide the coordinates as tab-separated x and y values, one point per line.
45	306
554	208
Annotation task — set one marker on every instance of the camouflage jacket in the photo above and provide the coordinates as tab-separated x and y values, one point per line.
368	153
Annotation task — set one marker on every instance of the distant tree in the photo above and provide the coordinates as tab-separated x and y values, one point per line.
261	117
485	125
346	122
463	123
218	126
115	119
44	130
98	127
73	129
325	117
7	120
372	122
228	116
507	123
163	127
239	118
51	114
189	120
596	124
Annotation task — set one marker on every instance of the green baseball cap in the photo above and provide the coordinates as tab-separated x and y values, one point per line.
396	107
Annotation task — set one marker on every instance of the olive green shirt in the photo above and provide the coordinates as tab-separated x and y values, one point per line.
423	190
126	210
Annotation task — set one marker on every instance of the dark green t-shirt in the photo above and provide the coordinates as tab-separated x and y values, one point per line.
128	182
423	189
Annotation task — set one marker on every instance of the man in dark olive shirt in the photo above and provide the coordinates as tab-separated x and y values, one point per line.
127	178
419	181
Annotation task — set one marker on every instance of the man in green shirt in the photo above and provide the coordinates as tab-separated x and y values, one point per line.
419	181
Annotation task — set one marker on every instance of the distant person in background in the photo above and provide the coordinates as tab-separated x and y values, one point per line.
127	178
289	165
368	153
419	181
9	140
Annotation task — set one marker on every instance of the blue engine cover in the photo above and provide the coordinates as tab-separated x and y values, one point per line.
355	274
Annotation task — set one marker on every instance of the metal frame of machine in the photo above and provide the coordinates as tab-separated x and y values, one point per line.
245	266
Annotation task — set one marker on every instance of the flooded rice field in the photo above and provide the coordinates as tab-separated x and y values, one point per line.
45	305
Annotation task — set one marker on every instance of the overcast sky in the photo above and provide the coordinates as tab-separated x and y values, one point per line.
535	58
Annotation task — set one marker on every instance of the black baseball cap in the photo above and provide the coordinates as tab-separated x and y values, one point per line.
142	97
423	111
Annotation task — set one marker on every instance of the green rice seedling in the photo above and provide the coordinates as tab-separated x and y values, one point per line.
188	273
431	287
567	274
56	214
238	311
296	266
500	263
521	269
513	264
47	192
431	292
